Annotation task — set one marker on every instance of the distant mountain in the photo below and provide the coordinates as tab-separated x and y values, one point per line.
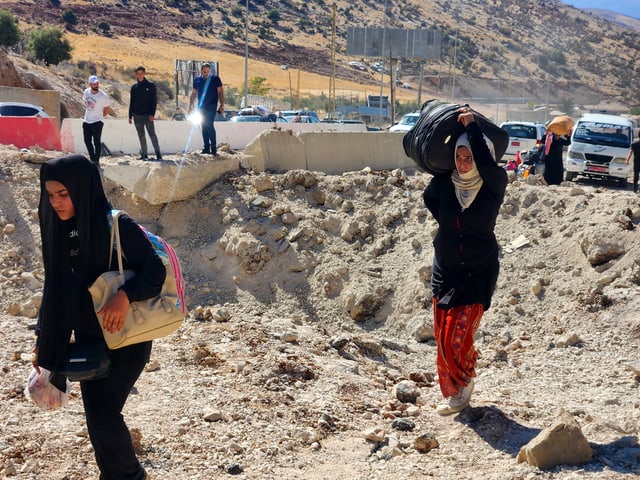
624	20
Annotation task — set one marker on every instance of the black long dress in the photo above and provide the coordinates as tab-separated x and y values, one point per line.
553	167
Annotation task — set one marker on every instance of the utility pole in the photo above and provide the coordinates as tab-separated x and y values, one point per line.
453	79
382	54
246	53
332	76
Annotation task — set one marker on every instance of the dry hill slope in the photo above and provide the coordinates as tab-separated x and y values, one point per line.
522	43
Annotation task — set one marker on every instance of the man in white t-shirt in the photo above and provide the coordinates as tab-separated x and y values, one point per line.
97	106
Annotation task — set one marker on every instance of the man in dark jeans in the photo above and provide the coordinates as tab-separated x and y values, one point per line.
635	153
142	110
96	107
207	88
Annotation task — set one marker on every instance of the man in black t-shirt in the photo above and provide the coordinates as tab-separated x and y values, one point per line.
142	111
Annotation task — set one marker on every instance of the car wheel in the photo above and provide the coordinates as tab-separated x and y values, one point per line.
623	182
569	176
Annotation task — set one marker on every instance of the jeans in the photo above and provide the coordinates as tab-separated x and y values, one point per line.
92	133
209	131
141	122
103	402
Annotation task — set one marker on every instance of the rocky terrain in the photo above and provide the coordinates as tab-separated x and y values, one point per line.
307	352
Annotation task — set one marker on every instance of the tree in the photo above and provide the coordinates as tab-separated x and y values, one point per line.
274	15
104	27
9	31
256	86
49	45
69	17
567	105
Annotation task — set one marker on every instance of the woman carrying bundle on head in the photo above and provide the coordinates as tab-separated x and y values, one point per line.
465	203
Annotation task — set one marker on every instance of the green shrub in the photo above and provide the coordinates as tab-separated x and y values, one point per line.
9	31
49	45
104	27
69	17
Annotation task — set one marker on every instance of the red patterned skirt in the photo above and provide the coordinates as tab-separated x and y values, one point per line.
456	359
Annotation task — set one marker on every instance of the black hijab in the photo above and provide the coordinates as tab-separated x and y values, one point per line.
66	303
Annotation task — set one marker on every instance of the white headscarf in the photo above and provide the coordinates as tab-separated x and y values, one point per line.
468	184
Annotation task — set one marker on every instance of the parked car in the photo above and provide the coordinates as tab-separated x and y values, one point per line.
599	147
406	123
248	118
291	113
522	136
19	109
303	119
358	66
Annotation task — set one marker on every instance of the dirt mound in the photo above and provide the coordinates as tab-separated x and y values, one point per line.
308	294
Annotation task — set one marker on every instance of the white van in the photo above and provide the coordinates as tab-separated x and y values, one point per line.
599	147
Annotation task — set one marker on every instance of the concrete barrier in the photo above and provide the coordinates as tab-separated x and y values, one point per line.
330	152
169	181
26	132
176	137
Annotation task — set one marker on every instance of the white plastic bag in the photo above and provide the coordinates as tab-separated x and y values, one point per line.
40	390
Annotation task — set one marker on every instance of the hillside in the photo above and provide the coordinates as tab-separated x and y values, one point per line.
503	48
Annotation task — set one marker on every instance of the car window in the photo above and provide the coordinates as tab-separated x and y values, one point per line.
409	120
521	131
17	111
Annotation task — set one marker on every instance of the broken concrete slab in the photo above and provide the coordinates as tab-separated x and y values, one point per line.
167	181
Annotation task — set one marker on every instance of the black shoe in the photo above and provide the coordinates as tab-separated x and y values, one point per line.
159	158
144	157
205	150
214	153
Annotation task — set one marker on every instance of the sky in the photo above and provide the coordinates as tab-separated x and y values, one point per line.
626	7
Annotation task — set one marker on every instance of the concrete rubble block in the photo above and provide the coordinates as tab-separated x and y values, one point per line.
168	181
560	444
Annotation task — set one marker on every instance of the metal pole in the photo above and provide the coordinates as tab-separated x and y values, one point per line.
453	80
290	90
382	53
246	53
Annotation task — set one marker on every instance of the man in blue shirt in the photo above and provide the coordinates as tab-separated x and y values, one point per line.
207	88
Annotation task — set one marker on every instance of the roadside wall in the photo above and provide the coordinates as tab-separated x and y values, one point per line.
26	132
330	148
176	137
330	152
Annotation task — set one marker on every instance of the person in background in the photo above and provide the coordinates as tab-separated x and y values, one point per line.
142	111
74	227
96	107
634	152
553	167
207	88
179	115
465	203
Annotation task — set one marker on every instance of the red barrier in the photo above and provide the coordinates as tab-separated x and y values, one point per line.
26	132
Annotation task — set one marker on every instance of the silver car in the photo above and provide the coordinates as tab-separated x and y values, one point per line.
522	136
19	109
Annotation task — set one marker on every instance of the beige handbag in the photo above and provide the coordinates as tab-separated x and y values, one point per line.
147	319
